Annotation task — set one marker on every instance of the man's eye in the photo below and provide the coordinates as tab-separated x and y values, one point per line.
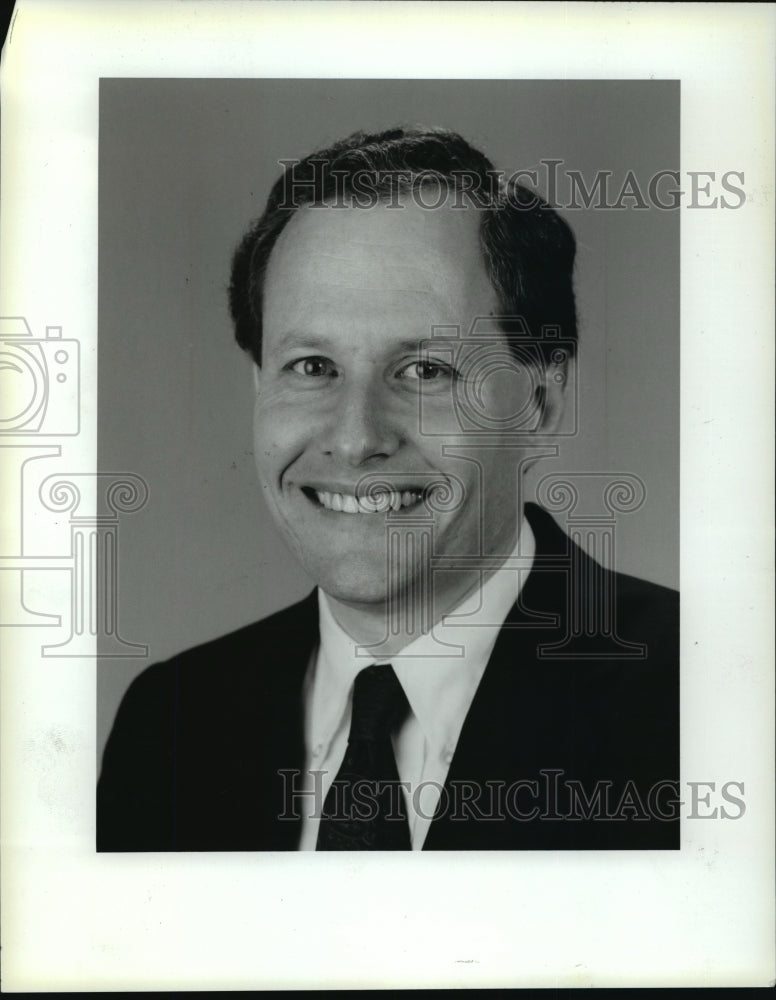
426	371
312	367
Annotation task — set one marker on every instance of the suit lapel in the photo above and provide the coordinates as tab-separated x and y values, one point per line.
286	654
504	732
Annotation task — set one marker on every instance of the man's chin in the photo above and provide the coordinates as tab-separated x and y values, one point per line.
353	584
368	593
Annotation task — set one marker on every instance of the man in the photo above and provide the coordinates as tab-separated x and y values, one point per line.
411	318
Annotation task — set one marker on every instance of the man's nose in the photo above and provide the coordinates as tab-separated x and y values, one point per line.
361	425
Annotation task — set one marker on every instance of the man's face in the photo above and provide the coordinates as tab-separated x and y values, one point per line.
350	296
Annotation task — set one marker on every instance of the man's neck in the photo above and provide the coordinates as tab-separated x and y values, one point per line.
388	627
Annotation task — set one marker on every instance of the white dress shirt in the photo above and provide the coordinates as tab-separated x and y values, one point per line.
439	687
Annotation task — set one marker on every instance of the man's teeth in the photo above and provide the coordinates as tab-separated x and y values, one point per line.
377	504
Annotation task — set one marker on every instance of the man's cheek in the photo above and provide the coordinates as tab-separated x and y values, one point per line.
436	412
268	452
273	434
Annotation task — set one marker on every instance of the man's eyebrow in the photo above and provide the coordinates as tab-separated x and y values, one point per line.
415	346
303	338
318	341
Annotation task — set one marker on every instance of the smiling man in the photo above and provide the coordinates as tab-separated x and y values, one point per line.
411	318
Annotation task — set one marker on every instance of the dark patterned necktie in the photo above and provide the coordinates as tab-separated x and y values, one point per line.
364	808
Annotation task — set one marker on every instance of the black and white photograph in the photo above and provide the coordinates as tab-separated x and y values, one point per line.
448	445
386	429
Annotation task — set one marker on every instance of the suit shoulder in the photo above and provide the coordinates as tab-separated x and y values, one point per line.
285	632
552	540
282	626
648	614
652	598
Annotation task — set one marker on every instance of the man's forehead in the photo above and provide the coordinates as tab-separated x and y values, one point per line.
396	270
386	272
388	230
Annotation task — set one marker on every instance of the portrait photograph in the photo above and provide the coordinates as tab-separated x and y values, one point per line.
385	600
519	424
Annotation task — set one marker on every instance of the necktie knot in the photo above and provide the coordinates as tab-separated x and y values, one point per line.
379	703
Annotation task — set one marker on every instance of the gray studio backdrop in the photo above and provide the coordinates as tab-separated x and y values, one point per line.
186	163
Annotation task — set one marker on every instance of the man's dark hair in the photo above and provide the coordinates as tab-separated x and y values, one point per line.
528	249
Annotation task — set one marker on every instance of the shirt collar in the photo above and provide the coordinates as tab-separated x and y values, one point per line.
439	671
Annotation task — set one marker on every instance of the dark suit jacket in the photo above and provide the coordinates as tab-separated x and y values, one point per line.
571	741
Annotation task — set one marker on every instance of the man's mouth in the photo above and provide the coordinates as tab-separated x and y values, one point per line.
377	502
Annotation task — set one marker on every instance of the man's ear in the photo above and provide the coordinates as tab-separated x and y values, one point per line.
552	395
